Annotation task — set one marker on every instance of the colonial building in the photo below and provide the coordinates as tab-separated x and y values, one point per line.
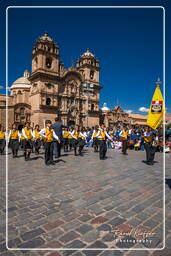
51	90
115	117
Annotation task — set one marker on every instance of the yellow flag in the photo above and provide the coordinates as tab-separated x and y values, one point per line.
155	114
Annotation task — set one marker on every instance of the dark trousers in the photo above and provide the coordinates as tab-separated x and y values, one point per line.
103	149
65	143
124	146
14	144
70	144
57	149
95	144
80	145
37	145
48	152
150	152
74	145
2	145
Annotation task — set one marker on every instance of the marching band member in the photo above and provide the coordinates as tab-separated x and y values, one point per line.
2	139
27	142
14	138
81	140
70	138
102	135
124	136
49	135
95	139
74	135
37	139
65	139
149	146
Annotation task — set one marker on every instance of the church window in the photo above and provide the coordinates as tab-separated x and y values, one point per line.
48	49
92	107
91	74
48	101
49	86
22	111
48	62
19	92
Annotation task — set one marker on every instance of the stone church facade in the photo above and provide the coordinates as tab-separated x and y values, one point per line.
51	90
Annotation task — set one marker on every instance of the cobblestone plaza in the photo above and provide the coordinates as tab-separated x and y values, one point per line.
83	202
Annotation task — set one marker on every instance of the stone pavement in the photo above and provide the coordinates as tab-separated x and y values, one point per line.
84	202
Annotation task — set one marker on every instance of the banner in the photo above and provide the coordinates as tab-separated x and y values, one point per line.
155	114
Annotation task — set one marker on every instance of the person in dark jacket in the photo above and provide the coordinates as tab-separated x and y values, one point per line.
57	127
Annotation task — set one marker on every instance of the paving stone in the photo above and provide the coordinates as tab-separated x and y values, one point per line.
54	254
139	253
92	252
164	252
71	225
32	234
71	217
85	218
53	225
112	253
52	244
34	243
90	236
116	221
7	254
84	229
14	243
150	223
104	227
69	237
109	237
99	219
54	234
111	214
78	253
76	244
151	242
134	222
2	247
98	244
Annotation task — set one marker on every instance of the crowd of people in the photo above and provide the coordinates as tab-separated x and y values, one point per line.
55	136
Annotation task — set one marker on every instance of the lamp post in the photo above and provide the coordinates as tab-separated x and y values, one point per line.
88	90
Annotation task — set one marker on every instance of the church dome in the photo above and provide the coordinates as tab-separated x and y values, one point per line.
105	108
22	82
87	54
45	37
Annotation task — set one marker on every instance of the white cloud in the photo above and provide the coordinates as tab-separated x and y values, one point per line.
128	111
143	109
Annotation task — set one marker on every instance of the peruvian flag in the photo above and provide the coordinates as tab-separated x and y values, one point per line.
157	102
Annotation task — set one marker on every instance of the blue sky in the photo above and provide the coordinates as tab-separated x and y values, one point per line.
128	43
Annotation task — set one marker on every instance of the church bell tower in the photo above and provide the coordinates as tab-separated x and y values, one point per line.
45	55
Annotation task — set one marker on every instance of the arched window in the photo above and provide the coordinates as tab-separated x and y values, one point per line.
22	111
19	92
35	61
48	101
91	74
48	62
92	107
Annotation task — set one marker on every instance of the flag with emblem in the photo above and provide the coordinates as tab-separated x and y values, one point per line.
156	111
